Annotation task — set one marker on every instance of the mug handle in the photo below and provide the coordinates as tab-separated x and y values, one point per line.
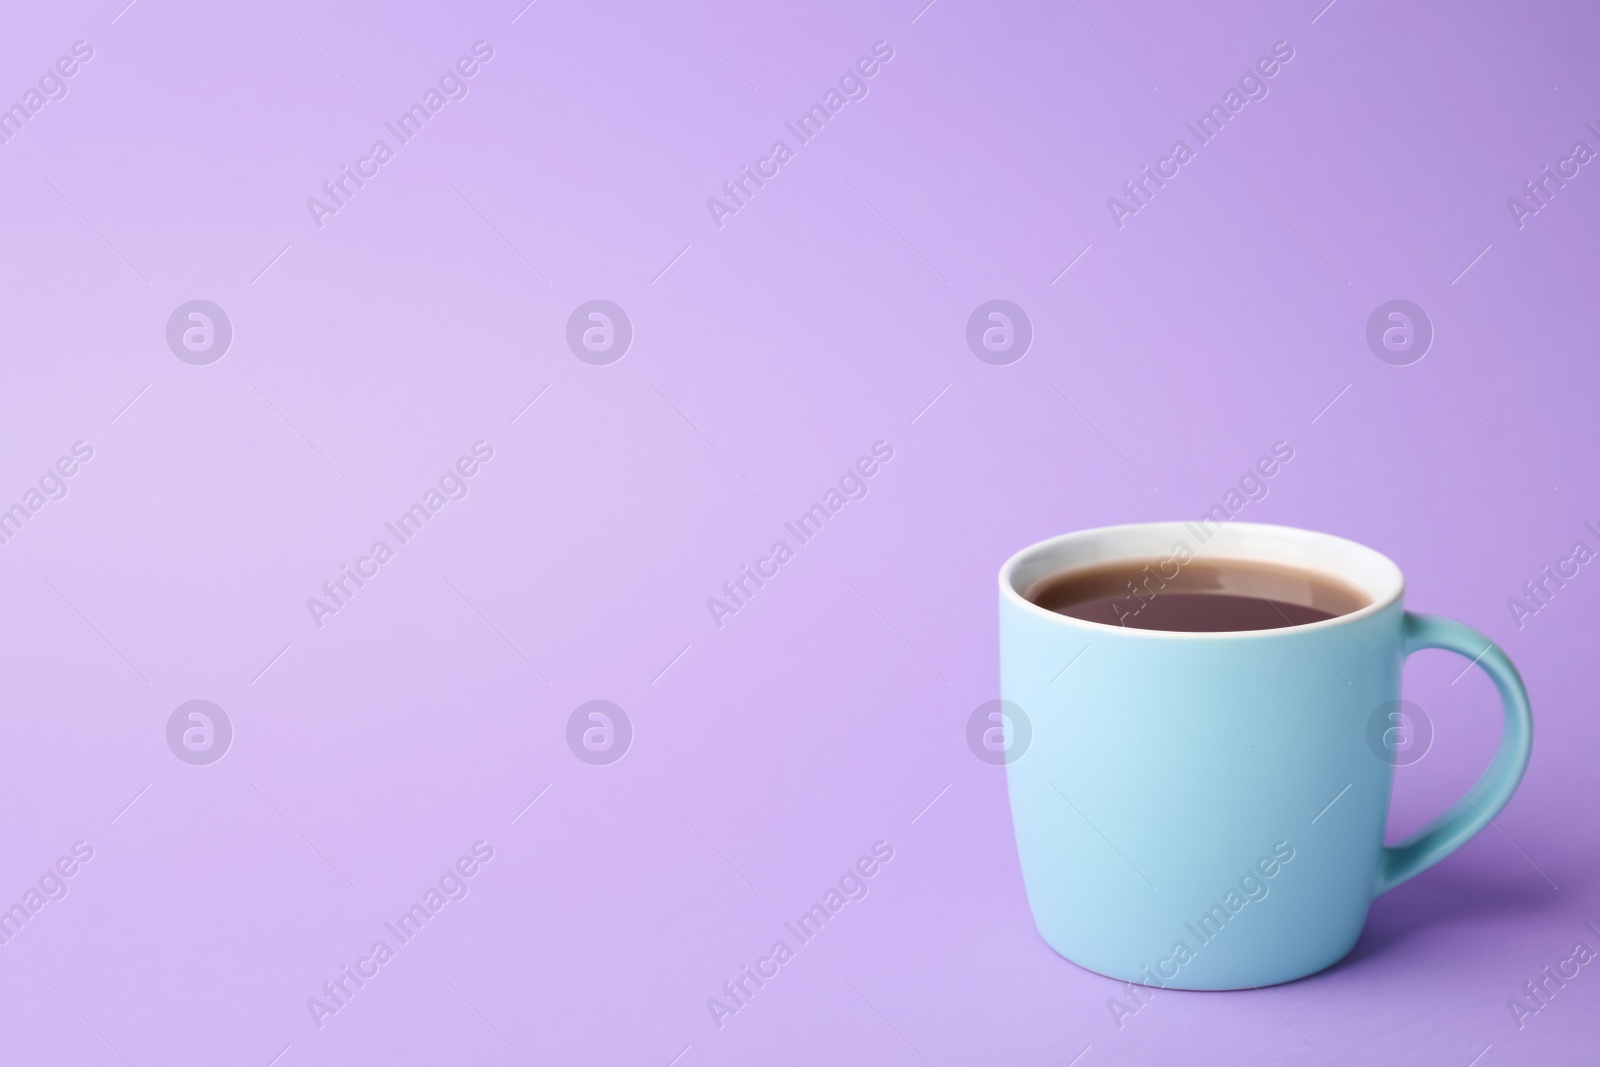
1494	787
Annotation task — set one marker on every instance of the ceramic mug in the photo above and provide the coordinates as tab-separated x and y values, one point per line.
1206	810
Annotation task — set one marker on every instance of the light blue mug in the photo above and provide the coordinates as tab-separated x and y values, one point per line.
1206	810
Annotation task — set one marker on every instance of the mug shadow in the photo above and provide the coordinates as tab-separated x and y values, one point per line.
1464	898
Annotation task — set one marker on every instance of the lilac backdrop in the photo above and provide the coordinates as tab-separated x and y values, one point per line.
828	313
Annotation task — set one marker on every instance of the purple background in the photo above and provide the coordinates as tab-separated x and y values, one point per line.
823	317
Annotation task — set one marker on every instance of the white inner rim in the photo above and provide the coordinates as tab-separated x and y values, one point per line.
1371	572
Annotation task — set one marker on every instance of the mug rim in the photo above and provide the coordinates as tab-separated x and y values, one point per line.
1386	585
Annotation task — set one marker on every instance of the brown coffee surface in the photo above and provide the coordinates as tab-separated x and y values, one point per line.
1201	596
